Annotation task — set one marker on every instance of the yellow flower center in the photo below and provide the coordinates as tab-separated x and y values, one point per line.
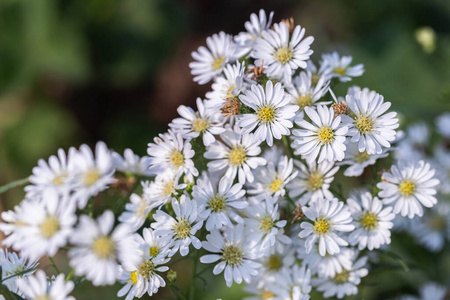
361	157
104	247
237	156
232	255
304	101
406	188
325	135
216	203
168	188
182	229
43	297
266	224
146	269
315	181
217	63
284	55
267	295
340	71
200	125
369	221
154	250
276	185
364	124
141	211
266	114
133	277
91	177
230	90
59	179
274	262
177	159
322	226
341	277
49	226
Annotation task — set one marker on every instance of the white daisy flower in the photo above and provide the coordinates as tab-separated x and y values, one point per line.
245	41
170	152
326	135
339	67
237	154
273	264
329	217
132	163
344	283
94	174
182	229
218	205
272	114
54	175
408	187
206	122
313	181
236	256
210	62
370	127
143	277
357	160
13	264
38	287
272	179
98	247
304	93
282	53
291	284
372	220
136	211
163	189
443	125
418	134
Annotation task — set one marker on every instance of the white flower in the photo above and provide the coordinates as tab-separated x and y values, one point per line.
235	255
357	160
329	218
237	154
326	135
443	125
418	134
45	226
218	205
291	284
282	53
132	163
93	174
161	191
180	230
273	264
272	114
13	264
170	152
246	40
304	93
272	179
206	122
55	174
408	187
339	67
210	62
143	277
371	128
136	211
38	287
344	283
98	247
373	222
428	291
313	181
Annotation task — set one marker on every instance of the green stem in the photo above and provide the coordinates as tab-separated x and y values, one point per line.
177	292
70	274
53	264
192	288
13	184
287	144
18	274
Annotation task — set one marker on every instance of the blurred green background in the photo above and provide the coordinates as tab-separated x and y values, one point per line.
75	72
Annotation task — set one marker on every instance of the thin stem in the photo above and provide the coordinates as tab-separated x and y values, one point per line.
13	184
18	274
177	292
70	274
287	144
192	288
53	264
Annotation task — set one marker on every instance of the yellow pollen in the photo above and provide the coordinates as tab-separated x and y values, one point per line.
284	55
340	71
232	255
237	156
217	63
140	212
276	185
364	124
406	188
154	250
274	262
230	90
321	226
91	177
304	101
341	277
43	297
266	224
216	203
59	179
104	247
147	269
200	125
182	229
168	188
267	295
369	221
315	181
362	157
266	114
133	277
177	159
49	226
326	135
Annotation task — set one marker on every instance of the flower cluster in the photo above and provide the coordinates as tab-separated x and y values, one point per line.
244	183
